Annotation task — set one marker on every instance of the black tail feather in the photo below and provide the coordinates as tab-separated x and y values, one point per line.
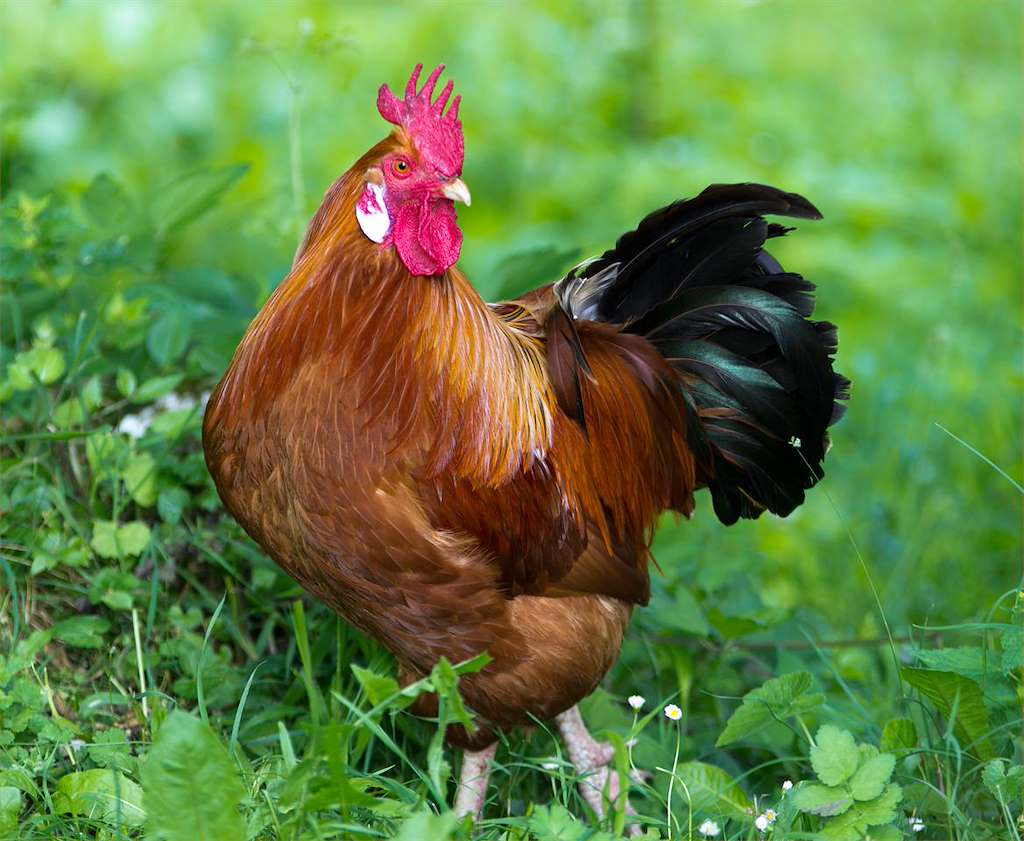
755	372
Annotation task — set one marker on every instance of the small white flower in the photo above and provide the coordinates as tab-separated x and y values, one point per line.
916	824
794	442
635	701
709	829
135	426
549	766
787	785
761	822
673	712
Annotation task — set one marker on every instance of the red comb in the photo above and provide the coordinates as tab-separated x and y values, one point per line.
438	135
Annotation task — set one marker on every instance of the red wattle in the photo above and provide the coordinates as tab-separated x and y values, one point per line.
427	236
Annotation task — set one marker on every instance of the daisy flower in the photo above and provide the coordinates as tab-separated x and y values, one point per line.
787	785
636	701
916	824
765	820
673	712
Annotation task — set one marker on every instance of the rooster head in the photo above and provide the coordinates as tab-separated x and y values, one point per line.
410	193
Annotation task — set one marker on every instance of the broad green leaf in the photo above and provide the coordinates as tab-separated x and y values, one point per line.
168	336
1012	642
19	376
92	393
110	749
1005	786
899	736
10	808
821	800
104	538
170	425
553	823
834	755
192	788
126	382
47	364
775	700
133	537
427	825
870	778
171	504
155	388
69	413
713	790
82	631
732	627
100	794
852	825
139	475
951	692
889	832
971	661
112	541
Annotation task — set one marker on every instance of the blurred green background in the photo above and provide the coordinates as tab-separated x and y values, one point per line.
900	121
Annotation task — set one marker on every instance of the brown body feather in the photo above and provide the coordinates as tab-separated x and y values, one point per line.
402	449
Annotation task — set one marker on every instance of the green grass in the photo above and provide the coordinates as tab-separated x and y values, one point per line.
157	163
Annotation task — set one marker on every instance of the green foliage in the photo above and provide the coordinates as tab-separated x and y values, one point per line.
159	162
834	755
855	795
774	701
1006	785
427	825
103	795
899	736
555	823
710	790
10	807
192	787
959	699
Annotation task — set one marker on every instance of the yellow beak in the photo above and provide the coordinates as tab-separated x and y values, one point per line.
456	190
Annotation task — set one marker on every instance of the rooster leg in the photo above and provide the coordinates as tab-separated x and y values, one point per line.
599	784
472	791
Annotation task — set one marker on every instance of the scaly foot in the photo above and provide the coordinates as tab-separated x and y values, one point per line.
599	783
472	791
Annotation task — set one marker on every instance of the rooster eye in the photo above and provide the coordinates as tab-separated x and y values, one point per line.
400	166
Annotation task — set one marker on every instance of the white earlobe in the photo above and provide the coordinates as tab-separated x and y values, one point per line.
372	213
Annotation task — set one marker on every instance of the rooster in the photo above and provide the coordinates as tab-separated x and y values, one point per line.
456	477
